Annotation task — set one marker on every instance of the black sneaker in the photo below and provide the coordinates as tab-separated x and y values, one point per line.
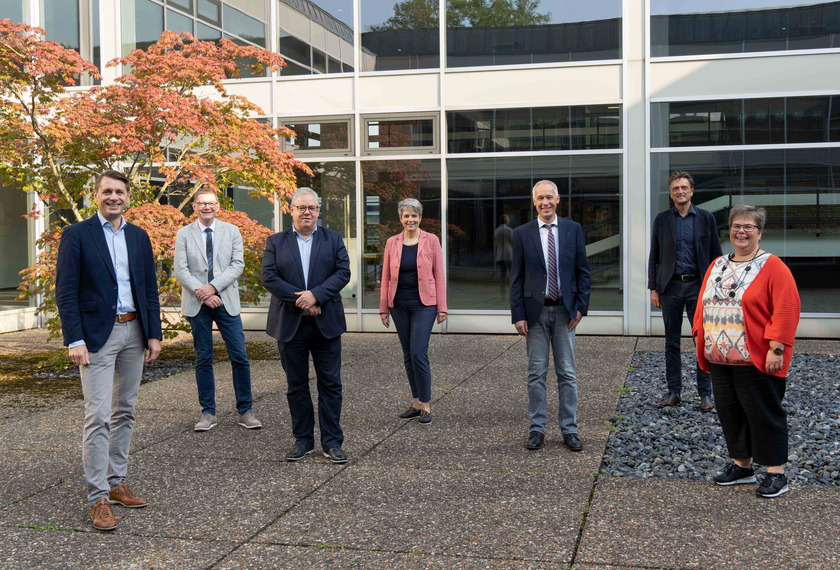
773	485
300	451
336	455
734	475
411	412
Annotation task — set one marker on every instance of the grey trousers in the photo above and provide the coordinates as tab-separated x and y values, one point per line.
110	384
551	333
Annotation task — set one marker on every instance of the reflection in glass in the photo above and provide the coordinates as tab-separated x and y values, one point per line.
504	32
142	26
206	33
679	27
12	9
210	10
746	121
14	245
177	22
244	26
185	5
401	35
319	136
385	183
335	183
534	129
800	189
489	197
400	133
61	22
317	35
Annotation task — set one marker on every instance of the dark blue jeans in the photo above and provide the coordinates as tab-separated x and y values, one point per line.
234	337
326	356
414	321
679	295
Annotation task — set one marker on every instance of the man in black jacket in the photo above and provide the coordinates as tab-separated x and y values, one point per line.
684	242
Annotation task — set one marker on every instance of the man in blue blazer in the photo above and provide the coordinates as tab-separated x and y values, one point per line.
549	295
107	297
684	242
305	268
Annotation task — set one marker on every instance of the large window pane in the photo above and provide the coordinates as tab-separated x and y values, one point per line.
246	27
488	197
385	183
799	190
142	24
13	244
406	133
61	22
685	27
335	183
177	22
503	32
310	136
318	35
12	9
401	35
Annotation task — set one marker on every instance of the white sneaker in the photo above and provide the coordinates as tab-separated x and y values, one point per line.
248	421
207	422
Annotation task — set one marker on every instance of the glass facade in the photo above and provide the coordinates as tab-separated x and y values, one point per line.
684	27
401	35
315	37
13	244
12	9
513	33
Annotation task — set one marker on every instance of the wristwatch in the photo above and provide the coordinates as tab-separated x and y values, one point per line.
778	351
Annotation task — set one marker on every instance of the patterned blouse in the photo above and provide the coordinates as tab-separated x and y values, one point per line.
723	317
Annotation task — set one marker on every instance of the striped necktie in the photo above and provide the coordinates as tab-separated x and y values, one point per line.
553	290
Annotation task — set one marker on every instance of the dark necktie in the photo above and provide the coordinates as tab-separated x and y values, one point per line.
208	234
553	290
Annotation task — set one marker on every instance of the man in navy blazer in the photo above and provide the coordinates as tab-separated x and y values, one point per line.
305	268
107	297
684	242
549	295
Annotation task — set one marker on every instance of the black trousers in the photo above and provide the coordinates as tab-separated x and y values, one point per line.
680	295
749	406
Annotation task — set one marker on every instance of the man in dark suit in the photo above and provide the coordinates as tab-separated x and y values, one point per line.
305	268
107	297
684	241
549	295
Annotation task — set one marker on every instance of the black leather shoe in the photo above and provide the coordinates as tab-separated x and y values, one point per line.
535	440
669	400
336	455
300	451
411	412
426	417
707	404
572	441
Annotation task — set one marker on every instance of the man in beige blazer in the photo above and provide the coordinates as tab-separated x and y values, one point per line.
209	259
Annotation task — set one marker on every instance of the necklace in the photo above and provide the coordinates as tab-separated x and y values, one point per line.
738	282
406	241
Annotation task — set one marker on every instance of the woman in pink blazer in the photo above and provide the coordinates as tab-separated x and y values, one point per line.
414	293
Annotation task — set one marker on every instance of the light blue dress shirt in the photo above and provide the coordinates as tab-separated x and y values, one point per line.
212	228
305	247
544	229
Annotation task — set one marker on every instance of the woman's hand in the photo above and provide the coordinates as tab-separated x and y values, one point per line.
441	317
386	319
773	362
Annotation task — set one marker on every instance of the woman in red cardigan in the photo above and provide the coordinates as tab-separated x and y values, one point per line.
414	293
744	335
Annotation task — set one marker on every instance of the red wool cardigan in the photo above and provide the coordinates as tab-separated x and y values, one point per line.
430	276
771	312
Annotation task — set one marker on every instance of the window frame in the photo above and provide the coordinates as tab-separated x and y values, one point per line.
323	152
434	148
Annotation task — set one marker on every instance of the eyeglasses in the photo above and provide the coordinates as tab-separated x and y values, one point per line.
206	204
749	228
304	209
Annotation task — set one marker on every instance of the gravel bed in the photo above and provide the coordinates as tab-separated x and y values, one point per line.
155	370
683	443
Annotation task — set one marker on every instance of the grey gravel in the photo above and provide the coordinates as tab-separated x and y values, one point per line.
683	443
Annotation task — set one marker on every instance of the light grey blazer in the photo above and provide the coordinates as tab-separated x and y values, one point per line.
191	265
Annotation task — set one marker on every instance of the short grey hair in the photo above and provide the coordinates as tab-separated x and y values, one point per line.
549	182
302	191
757	213
410	204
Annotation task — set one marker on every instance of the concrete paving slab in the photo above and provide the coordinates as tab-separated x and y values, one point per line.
24	473
454	513
680	524
191	498
45	548
324	556
57	431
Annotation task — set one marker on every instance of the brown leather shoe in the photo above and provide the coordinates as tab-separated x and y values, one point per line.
122	495
706	404
102	515
669	400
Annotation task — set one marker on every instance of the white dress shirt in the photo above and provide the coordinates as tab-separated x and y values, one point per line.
544	229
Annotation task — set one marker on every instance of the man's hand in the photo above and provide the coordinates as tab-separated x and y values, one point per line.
654	300
441	317
79	355
386	319
574	322
153	351
213	301
315	310
306	300
521	327
205	291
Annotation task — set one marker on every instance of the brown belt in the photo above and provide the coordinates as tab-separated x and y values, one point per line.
125	317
